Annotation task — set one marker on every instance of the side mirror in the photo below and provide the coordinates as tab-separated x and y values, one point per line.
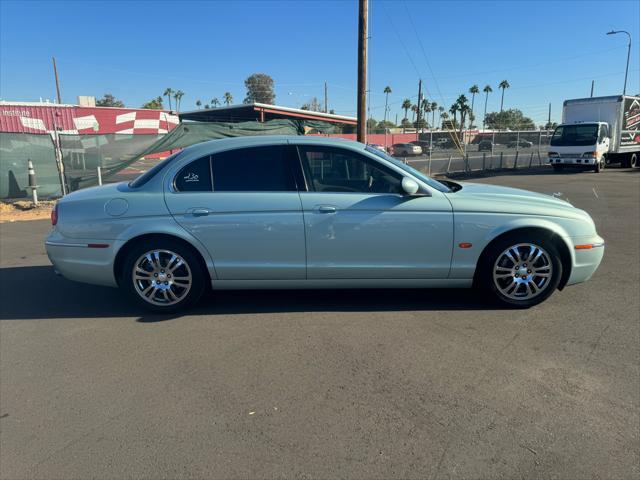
410	186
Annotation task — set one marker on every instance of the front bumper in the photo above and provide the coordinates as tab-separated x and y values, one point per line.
87	261
585	260
574	161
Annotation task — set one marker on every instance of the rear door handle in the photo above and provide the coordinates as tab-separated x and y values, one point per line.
200	212
326	209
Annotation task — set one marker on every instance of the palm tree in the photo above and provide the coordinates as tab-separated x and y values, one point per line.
167	93
463	108
386	91
443	116
178	96
215	102
414	110
454	111
228	98
406	105
198	103
473	90
487	90
503	85
433	107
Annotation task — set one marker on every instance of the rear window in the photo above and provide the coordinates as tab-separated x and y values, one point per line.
257	169
149	174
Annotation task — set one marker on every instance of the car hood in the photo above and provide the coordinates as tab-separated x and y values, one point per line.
493	198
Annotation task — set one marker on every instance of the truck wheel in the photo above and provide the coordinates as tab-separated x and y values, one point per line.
633	160
558	168
599	165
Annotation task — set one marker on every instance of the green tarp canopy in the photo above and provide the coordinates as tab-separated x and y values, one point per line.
190	133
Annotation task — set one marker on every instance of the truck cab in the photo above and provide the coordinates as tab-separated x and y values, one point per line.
582	144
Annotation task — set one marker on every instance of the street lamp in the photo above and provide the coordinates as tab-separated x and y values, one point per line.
613	32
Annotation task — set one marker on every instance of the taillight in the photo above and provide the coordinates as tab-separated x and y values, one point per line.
54	214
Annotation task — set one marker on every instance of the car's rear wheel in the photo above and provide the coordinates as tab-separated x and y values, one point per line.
633	160
558	168
521	270
163	277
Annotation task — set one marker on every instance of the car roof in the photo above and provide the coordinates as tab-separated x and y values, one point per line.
212	146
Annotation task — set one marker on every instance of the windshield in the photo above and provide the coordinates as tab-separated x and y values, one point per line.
575	135
149	174
428	180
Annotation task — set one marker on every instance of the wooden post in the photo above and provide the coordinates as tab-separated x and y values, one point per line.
362	70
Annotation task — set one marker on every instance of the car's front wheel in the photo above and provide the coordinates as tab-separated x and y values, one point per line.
163	276
520	271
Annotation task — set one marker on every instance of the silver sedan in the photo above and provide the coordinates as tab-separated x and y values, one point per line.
304	212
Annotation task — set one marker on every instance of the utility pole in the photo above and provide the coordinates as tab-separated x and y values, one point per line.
363	10
592	82
325	98
419	109
55	73
549	121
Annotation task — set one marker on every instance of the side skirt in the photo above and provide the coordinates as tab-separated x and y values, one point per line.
339	283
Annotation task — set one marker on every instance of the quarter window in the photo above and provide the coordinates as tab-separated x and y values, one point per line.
330	169
195	177
258	169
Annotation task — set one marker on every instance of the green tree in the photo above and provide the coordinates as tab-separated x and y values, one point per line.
463	108
386	91
198	103
167	93
406	105
453	110
371	124
313	105
487	90
473	90
384	125
259	89
442	112
414	110
154	104
215	103
513	119
228	98
178	96
108	100
503	85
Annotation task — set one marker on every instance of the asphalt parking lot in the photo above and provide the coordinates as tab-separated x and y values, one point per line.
359	384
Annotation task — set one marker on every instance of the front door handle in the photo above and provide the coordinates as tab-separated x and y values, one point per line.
327	209
200	212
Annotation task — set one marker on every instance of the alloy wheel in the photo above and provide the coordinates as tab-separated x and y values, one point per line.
522	271
162	277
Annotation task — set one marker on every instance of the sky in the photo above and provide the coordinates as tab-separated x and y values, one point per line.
548	51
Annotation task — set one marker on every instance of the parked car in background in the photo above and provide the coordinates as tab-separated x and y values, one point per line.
377	146
485	146
519	144
424	145
444	142
406	150
309	212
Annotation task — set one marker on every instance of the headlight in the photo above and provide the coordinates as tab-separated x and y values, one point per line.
552	154
590	154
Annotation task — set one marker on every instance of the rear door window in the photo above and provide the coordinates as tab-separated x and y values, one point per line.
256	169
194	177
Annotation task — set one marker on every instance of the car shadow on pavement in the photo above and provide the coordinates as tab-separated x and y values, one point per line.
38	293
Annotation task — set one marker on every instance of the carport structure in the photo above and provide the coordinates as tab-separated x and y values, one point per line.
261	112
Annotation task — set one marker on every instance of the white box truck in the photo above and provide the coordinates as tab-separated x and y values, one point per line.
596	132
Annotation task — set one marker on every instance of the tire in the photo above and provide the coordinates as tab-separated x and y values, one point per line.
558	168
498	274
633	160
599	166
163	276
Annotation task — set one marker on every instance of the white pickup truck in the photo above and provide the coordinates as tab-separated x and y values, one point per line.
596	132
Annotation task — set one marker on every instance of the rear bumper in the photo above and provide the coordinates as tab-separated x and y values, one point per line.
586	261
82	261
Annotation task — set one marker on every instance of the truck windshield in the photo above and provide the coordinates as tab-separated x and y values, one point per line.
575	135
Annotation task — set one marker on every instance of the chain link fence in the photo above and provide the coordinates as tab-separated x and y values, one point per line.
480	151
